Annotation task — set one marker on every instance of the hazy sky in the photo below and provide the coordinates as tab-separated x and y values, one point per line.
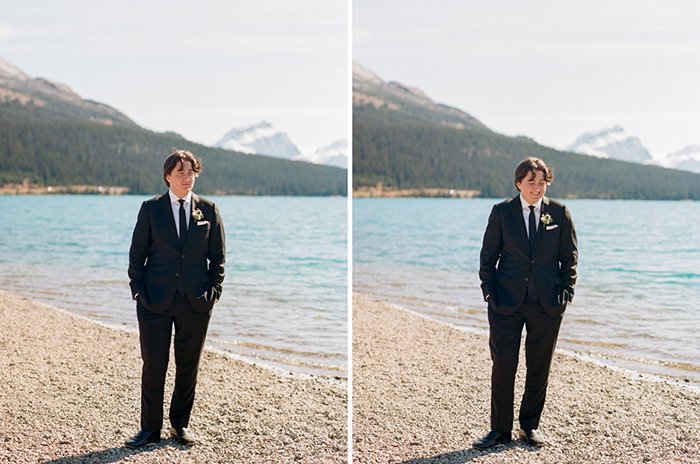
550	70
196	68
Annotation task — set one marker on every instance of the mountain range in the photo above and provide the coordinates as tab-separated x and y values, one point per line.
51	136
335	154
614	143
39	97
611	143
263	139
260	139
686	159
403	141
396	102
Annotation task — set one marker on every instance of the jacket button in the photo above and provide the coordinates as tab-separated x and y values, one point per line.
533	261
183	257
178	275
525	279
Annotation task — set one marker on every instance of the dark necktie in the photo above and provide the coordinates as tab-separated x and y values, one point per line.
183	232
532	226
183	223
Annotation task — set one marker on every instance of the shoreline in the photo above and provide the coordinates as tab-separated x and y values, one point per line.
467	316
276	367
592	357
72	394
333	374
422	394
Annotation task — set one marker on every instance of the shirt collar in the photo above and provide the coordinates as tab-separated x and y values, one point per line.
525	205
174	198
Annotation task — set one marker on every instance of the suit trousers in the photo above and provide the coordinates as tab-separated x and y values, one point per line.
504	343
155	332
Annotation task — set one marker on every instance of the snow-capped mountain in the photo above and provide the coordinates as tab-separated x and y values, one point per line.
687	159
335	154
611	143
259	139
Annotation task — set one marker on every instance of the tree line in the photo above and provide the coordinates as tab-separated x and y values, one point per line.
409	155
58	151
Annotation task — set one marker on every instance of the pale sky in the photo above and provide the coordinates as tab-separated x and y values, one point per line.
195	68
548	69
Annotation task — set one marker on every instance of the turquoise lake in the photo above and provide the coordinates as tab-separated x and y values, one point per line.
285	293
637	303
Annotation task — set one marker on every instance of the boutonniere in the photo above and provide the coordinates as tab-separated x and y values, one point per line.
197	215
546	219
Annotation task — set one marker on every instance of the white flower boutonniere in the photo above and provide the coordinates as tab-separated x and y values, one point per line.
546	219
197	215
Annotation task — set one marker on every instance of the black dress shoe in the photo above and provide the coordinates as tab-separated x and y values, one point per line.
183	436
532	437
143	438
492	439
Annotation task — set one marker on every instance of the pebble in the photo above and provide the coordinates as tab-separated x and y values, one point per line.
410	377
71	394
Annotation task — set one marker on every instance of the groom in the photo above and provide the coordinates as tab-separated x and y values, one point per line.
176	271
528	273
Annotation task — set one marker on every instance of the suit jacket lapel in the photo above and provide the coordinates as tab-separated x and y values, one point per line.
516	211
167	210
541	227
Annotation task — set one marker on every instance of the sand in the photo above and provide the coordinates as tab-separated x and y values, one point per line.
71	394
421	394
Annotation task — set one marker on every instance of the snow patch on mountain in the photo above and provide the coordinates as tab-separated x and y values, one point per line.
335	154
611	143
687	159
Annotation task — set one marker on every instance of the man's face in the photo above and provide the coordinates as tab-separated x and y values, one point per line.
533	187
181	179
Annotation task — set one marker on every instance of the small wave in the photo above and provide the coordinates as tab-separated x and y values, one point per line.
260	347
592	343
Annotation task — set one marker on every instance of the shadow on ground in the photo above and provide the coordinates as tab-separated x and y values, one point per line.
468	455
115	454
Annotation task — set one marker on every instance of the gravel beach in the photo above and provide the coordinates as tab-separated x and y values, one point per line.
421	392
71	394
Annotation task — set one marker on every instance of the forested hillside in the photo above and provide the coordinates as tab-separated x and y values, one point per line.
57	151
50	136
408	154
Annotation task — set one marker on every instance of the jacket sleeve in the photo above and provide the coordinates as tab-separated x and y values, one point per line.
138	252
568	257
217	254
490	252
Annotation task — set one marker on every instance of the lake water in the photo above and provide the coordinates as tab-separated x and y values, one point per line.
285	293
637	302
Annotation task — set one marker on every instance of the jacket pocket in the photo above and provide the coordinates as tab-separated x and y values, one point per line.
151	275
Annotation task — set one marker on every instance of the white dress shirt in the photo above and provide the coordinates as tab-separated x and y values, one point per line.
175	203
526	213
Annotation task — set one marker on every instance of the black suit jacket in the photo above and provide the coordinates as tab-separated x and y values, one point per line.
156	259
507	262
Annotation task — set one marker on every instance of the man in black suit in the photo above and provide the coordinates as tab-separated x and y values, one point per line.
176	272
528	273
